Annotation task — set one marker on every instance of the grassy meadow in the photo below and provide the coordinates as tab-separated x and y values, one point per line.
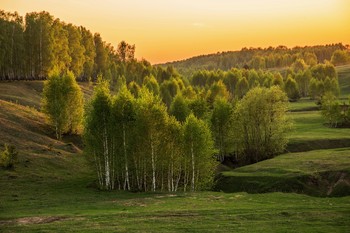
52	187
56	193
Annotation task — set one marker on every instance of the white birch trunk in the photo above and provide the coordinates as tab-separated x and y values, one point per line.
107	168
127	182
153	167
193	171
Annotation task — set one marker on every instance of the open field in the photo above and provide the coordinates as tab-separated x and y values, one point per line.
49	193
319	172
304	104
310	133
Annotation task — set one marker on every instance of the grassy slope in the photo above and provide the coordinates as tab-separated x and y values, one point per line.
319	172
310	133
54	193
28	93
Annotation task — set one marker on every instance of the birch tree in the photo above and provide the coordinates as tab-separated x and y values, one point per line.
97	137
221	125
198	148
173	143
152	117
63	103
123	111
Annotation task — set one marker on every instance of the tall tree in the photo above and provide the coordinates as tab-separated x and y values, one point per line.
123	110
39	43
61	56
126	51
221	124
63	103
174	149
97	136
76	50
179	108
292	89
101	57
87	40
198	148
151	115
261	125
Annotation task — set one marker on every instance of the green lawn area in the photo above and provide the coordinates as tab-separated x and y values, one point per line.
48	193
309	133
304	104
319	173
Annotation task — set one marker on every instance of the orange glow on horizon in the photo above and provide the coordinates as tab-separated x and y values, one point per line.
165	30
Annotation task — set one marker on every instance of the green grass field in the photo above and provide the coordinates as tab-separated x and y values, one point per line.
318	172
310	133
48	193
304	104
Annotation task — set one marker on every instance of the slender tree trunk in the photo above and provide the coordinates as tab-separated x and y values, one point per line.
137	175
193	171
127	182
11	58
106	157
98	168
153	167
145	176
178	180
40	49
172	171
185	175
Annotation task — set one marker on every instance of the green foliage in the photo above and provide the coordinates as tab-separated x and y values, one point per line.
340	57
135	145
198	149
63	103
221	125
217	90
199	107
8	157
179	108
299	65
97	136
334	113
261	125
126	51
331	109
257	58
151	84
292	89
242	87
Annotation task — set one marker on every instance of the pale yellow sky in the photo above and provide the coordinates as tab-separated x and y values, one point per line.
165	30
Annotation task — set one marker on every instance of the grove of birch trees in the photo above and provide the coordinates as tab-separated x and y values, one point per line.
135	144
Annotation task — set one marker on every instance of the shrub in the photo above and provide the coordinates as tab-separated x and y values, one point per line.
8	156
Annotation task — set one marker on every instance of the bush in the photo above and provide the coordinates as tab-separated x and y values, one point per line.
8	156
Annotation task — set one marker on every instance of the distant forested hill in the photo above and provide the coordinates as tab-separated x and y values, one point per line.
257	58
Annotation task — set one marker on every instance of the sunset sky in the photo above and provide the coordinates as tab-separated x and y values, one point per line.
165	30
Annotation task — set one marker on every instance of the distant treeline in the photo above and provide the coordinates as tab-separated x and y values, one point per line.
259	58
38	44
300	80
